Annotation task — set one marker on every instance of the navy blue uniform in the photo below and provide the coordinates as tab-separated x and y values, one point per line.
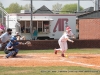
13	51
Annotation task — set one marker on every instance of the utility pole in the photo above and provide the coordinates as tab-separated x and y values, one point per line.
96	5
31	21
78	6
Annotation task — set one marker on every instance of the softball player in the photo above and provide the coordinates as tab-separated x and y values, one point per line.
62	41
11	49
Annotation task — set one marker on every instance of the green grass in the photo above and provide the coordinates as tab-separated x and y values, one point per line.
60	70
90	51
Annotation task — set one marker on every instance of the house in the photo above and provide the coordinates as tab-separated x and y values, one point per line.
89	25
48	24
84	11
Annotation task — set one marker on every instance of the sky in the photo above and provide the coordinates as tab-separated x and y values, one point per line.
38	4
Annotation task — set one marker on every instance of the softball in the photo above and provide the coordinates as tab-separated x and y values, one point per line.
66	55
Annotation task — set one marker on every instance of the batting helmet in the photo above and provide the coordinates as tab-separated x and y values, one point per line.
68	28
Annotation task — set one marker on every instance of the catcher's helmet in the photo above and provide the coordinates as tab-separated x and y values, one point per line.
13	39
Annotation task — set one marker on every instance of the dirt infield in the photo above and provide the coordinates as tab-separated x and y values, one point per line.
49	59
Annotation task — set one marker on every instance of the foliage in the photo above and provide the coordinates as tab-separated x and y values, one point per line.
16	8
57	7
13	8
28	6
70	8
1	5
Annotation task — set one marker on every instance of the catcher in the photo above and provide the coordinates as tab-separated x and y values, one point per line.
11	49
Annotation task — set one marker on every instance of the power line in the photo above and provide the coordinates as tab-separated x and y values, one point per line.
57	0
96	3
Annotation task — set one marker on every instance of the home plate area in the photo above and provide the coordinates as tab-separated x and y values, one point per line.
50	59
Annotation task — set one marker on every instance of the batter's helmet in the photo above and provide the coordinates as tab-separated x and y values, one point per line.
68	28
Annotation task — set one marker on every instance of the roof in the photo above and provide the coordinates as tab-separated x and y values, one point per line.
90	9
22	14
87	10
43	10
94	14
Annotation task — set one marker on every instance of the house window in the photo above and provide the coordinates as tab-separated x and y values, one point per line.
46	26
34	24
40	26
27	27
22	23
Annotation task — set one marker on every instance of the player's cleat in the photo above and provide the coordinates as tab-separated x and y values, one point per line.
5	57
62	55
55	51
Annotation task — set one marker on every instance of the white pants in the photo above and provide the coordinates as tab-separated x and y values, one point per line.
63	46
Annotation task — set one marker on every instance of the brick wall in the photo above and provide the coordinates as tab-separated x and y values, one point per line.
89	29
40	44
51	44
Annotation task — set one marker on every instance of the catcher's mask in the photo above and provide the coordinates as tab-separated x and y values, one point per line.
13	39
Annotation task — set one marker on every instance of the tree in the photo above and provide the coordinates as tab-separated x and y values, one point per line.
14	8
70	8
27	7
57	7
1	5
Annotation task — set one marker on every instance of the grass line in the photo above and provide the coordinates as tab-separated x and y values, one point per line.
60	70
90	51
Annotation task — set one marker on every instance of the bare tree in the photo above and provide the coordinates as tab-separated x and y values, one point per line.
27	7
57	7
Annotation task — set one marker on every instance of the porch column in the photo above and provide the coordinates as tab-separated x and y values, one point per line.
25	26
42	26
37	25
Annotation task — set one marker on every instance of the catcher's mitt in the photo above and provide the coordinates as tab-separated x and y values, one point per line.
28	43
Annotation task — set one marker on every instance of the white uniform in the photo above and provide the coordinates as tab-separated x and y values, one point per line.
63	42
5	37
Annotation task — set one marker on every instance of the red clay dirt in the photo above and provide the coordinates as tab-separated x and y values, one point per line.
50	59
